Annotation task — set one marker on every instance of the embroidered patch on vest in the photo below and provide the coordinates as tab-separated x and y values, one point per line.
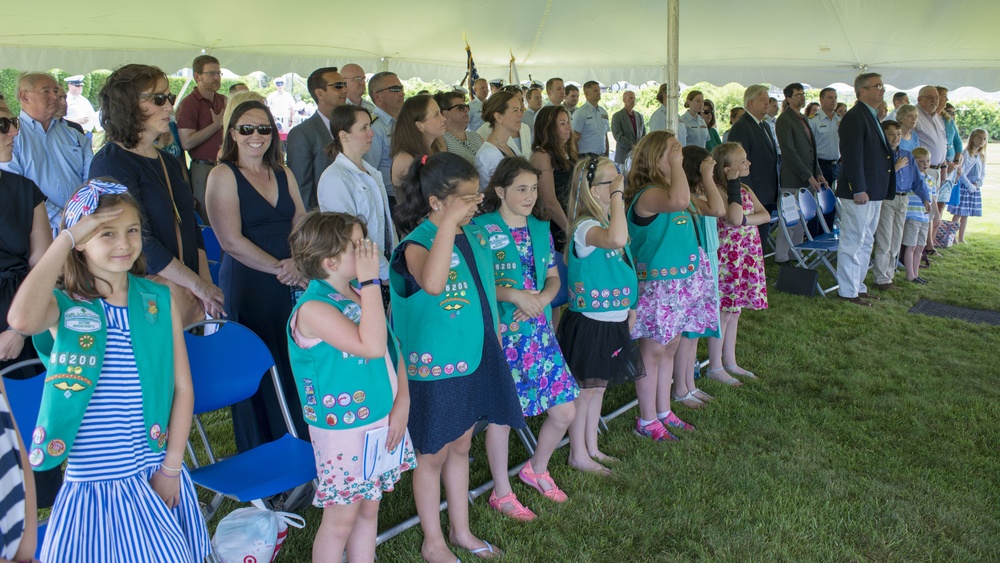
79	319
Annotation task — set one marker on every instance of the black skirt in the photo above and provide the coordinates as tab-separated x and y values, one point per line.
599	354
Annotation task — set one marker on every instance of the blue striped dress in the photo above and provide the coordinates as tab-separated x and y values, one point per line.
11	486
106	510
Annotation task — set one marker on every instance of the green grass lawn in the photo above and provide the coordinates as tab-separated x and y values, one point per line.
872	435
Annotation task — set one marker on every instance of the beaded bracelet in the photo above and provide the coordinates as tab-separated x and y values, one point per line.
177	469
160	471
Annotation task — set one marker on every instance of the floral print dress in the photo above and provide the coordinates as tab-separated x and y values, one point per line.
741	264
541	376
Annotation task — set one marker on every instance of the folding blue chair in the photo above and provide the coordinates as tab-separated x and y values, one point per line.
213	250
24	396
809	254
809	210
826	200
226	368
772	235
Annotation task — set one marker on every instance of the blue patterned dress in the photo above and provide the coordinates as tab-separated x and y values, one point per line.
541	376
106	510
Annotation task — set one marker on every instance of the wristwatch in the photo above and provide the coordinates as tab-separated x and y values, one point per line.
375	281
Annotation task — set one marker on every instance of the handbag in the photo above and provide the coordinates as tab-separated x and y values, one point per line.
252	534
186	302
946	233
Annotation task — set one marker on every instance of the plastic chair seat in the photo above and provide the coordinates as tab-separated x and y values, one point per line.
263	471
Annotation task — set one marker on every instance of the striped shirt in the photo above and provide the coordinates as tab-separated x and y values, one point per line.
11	485
111	442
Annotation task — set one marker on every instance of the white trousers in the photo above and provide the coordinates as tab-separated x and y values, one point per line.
857	235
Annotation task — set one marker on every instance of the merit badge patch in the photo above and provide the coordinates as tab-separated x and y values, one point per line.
79	319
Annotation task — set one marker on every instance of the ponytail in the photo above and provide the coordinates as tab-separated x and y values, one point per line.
436	175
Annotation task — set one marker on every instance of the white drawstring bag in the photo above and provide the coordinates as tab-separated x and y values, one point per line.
253	534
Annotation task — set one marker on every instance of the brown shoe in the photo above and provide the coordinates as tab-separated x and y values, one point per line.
866	295
887	286
856	301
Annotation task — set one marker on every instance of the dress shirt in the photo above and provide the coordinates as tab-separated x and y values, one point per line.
932	135
57	161
825	131
378	154
592	123
475	114
695	130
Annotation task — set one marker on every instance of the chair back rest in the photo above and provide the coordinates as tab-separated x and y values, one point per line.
24	397
807	204
226	366
213	250
788	210
827	200
562	297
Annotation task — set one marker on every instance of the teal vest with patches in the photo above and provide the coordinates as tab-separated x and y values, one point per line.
667	248
602	282
442	335
73	362
507	267
339	390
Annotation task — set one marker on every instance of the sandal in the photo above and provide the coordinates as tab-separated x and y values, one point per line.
555	494
746	373
722	376
518	512
689	400
487	552
702	396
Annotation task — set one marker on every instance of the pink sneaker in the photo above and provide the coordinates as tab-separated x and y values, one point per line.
654	430
673	421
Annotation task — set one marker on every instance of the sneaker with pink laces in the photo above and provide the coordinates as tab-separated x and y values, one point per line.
673	421
654	430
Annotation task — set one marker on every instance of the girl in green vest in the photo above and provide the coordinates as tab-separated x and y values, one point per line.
527	281
349	381
676	287
118	399
594	333
706	207
444	311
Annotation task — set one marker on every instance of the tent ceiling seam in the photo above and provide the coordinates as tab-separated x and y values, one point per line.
834	6
538	33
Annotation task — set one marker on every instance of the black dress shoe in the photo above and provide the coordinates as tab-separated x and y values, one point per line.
856	301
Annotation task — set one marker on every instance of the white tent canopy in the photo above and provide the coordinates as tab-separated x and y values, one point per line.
911	42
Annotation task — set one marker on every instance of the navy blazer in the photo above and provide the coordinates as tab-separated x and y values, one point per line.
306	146
866	159
763	157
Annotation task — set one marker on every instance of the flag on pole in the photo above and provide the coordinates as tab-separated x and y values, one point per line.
470	66
512	77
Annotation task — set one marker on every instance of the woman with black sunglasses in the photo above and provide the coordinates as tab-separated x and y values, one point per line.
456	113
253	201
708	114
135	110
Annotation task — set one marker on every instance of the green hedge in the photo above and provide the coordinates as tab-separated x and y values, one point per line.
978	114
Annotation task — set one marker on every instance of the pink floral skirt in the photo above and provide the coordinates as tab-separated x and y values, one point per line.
339	455
666	308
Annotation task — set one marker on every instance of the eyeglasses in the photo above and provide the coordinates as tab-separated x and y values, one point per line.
160	99
246	129
393	89
707	111
358	78
459	107
337	85
6	122
215	73
876	86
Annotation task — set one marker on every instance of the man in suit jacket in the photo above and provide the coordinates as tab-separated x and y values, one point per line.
755	135
866	178
307	141
627	127
799	165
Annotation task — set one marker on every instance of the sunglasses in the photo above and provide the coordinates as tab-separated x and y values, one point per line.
337	85
160	99
6	122
393	89
246	129
460	107
707	112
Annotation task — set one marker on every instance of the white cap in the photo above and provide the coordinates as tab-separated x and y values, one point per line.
78	79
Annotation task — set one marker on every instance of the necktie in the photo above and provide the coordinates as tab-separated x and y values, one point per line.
767	133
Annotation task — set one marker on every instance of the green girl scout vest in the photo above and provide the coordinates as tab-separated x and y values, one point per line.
665	249
442	335
603	281
73	361
337	390
507	263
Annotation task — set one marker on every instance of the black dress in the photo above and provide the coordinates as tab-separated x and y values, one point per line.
442	410
561	178
260	302
18	198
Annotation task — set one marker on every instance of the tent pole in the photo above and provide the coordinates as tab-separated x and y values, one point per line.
673	87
